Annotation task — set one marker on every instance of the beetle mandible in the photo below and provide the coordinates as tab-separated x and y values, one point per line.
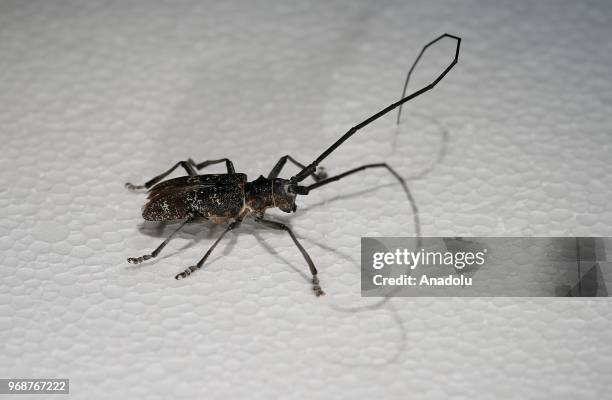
229	198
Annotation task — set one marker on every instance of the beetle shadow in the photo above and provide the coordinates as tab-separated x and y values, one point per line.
385	301
302	271
438	159
162	230
270	249
442	148
193	118
345	196
395	356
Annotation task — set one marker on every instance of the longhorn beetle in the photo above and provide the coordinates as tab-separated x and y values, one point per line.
229	198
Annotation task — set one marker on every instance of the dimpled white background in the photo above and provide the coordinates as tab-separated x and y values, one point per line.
94	95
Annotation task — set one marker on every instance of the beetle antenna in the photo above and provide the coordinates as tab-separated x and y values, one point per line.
312	167
414	64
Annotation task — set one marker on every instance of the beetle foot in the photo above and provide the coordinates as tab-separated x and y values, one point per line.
138	260
131	186
186	273
180	276
316	288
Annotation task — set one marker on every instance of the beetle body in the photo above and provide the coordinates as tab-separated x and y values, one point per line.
216	197
229	198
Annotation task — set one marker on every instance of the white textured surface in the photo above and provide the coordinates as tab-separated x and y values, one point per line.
94	95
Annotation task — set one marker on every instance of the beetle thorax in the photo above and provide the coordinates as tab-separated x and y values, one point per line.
265	193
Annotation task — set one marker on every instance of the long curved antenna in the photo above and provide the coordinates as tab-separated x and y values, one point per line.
312	167
414	64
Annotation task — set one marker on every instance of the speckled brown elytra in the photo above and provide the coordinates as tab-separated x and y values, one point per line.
229	198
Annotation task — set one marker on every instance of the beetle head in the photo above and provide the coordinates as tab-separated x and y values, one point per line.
284	195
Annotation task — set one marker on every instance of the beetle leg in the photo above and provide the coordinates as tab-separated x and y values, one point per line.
188	165
316	288
138	260
203	164
317	176
193	268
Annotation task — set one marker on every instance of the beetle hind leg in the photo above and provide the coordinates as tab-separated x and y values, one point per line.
193	268
228	164
138	260
187	165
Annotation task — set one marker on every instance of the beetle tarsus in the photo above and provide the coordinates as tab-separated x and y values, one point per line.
316	288
186	273
138	260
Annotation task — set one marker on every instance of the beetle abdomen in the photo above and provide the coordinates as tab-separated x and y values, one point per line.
208	196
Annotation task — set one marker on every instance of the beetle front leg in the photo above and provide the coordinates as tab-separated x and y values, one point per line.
193	268
316	288
317	176
138	260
